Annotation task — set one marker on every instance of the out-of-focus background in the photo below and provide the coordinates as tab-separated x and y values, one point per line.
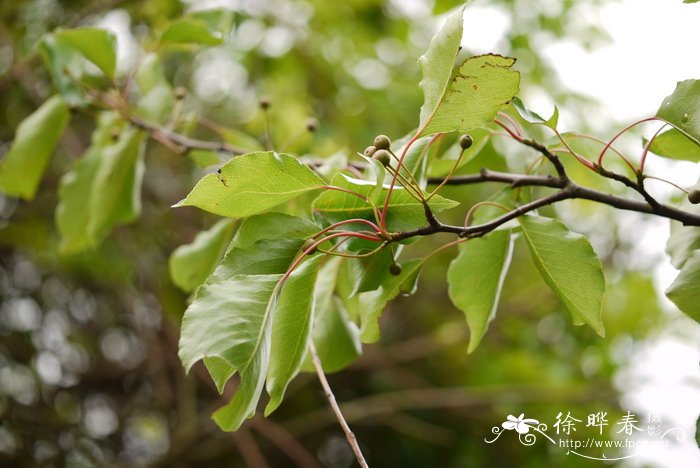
89	374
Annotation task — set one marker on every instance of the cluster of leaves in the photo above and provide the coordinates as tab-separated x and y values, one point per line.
263	296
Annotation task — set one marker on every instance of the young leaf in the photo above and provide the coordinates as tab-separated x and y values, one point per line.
569	266
24	164
97	45
475	280
252	183
482	86
682	109
190	264
675	145
437	63
685	289
405	212
189	30
533	117
291	330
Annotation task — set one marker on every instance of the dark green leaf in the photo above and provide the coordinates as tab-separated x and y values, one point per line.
24	164
569	266
475	280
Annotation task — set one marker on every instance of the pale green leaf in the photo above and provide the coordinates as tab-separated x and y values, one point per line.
437	63
533	117
36	137
675	145
475	280
116	195
685	289
682	109
273	226
204	158
482	86
569	266
252	183
442	164
240	139
291	330
190	264
97	45
190	30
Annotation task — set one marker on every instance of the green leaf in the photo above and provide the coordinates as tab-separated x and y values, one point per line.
230	322
273	226
569	266
252	183
405	212
442	165
240	139
684	240
675	145
103	189
437	63
65	65
36	137
475	280
682	109
190	264
336	337
291	330
693	1
483	85
97	45
204	158
685	289
533	117
189	30
368	306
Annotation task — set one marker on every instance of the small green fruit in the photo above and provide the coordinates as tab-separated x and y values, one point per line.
264	102
395	269
466	141
308	243
382	156
694	197
311	124
382	142
369	151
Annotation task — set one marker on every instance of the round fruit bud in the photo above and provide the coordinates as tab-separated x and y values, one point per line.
308	243
369	151
694	197
382	142
311	124
180	92
264	102
395	269
382	156
466	141
115	134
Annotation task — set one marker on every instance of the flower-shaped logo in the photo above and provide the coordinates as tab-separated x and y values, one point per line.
519	424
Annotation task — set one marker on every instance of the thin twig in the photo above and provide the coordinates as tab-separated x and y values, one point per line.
352	440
